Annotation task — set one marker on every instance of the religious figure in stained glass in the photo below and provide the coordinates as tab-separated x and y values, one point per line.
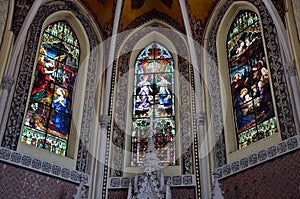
47	122
164	94
144	95
250	86
154	99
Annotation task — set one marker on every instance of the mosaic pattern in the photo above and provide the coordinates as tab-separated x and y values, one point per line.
175	181
16	182
154	100
31	163
281	181
270	153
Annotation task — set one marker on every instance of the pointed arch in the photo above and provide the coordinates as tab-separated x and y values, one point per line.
49	112
252	103
154	99
142	36
219	82
87	34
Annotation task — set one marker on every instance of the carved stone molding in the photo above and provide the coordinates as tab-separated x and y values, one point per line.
13	128
7	82
260	157
20	11
4	9
201	118
154	14
120	76
296	8
175	181
281	95
42	166
281	9
104	121
290	69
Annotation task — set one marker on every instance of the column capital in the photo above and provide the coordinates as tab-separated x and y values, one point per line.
104	121
290	68
7	82
201	118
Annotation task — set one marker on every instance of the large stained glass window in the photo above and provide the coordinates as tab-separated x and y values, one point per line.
48	116
250	80
153	100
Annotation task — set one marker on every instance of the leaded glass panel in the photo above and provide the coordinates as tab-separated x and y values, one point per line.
154	100
250	84
48	117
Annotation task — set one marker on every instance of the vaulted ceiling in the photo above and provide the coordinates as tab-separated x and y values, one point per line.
133	9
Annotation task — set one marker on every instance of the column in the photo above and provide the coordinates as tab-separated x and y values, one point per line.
201	119
104	122
290	70
6	85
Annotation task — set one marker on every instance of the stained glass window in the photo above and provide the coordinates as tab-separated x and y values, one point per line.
153	99
48	116
250	80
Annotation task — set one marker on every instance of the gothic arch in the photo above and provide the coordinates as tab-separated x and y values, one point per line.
284	112
85	29
152	31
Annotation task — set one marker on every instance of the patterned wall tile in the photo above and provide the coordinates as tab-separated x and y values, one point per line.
17	182
277	178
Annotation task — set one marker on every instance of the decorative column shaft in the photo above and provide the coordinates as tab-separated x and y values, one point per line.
201	119
6	85
290	70
104	122
201	191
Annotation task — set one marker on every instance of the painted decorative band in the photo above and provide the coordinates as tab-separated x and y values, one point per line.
260	157
178	180
28	162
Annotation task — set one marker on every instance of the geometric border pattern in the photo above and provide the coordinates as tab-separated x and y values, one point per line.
175	181
16	114
260	157
28	162
281	95
121	68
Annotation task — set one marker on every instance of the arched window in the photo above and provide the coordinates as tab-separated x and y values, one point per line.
153	100
254	114
48	116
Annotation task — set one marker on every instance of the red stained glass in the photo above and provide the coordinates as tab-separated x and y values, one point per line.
154	99
47	122
250	85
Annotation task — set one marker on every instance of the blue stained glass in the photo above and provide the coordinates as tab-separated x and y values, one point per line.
249	78
49	111
163	52
154	99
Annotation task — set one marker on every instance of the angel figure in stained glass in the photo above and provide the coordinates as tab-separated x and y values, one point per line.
47	67
164	95
144	97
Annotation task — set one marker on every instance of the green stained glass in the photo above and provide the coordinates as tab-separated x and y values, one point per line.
154	99
47	122
249	77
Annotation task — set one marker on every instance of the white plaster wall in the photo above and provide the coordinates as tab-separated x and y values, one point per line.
3	17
